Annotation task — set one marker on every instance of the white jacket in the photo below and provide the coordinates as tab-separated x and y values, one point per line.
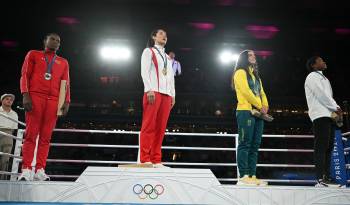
6	123
319	96
149	74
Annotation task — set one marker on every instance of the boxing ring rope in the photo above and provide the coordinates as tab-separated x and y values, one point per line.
17	158
13	120
174	147
346	134
10	136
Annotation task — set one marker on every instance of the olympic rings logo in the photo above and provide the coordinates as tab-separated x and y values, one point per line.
152	192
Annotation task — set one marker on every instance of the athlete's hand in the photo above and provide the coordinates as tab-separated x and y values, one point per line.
172	102
65	108
151	97
27	102
264	110
339	111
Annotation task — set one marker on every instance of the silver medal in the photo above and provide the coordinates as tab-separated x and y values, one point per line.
47	76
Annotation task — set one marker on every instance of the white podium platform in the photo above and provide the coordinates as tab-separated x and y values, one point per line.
162	186
288	195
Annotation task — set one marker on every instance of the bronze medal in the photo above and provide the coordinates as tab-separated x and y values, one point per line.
165	72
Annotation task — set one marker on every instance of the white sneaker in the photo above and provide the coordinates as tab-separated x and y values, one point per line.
26	175
41	176
160	165
319	185
327	183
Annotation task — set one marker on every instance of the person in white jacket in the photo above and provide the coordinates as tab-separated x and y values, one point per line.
176	65
7	126
319	97
158	100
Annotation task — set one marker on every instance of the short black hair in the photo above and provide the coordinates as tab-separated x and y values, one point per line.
50	34
310	62
47	36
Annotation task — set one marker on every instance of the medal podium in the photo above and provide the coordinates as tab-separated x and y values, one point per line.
162	186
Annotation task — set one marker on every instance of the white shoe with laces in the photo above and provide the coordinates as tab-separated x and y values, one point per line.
26	175
160	165
41	176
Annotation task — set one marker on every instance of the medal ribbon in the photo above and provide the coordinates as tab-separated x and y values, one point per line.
49	64
165	60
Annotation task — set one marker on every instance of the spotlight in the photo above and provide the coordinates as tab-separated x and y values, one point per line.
115	53
227	57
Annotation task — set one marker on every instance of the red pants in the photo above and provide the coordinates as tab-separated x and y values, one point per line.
40	123
154	122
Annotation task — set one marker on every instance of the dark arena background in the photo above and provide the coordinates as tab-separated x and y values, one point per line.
102	125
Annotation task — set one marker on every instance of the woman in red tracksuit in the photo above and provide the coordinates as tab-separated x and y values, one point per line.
42	72
158	99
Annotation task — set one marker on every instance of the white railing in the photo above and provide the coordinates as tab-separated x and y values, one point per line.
17	157
11	119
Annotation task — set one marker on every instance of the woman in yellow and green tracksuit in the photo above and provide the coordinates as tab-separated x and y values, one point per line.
250	95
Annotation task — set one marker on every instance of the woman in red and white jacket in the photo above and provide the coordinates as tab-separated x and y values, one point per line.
158	99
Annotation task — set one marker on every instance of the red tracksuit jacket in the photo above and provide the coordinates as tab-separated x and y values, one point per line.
34	69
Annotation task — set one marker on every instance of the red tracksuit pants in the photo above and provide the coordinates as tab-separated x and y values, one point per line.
154	122
40	123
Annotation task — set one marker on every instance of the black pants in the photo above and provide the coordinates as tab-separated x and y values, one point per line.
323	145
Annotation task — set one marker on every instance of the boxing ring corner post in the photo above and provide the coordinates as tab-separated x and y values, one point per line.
17	152
138	152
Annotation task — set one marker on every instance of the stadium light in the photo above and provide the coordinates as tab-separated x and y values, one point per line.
115	53
227	57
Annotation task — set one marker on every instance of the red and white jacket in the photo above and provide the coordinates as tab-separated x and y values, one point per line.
152	75
34	69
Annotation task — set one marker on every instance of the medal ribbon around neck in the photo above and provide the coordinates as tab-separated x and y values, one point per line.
49	65
165	61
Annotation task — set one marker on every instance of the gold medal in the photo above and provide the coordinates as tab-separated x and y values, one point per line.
165	61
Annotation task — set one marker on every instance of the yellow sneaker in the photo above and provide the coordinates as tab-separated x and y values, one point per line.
258	182
245	181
